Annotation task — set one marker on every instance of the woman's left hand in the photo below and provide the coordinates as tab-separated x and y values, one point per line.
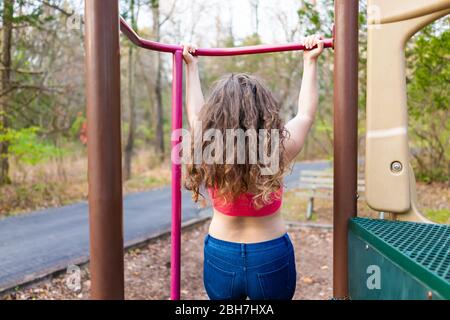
188	53
310	42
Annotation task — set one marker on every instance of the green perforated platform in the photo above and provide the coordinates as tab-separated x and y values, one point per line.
413	255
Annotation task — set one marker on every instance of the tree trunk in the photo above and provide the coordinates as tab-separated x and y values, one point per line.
158	113
159	110
129	147
255	5
5	85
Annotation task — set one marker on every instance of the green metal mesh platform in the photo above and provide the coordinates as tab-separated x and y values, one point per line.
426	244
422	248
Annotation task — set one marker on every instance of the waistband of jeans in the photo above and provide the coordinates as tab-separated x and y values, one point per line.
257	246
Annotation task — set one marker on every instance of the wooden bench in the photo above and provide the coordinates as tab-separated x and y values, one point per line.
319	184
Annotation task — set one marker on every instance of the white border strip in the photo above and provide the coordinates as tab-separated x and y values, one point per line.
385	133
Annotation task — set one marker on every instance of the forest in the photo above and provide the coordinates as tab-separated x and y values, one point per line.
42	88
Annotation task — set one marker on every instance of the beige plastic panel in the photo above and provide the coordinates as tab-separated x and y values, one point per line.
387	117
414	213
400	10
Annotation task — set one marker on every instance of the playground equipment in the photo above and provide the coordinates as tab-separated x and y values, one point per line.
104	147
177	101
415	257
388	172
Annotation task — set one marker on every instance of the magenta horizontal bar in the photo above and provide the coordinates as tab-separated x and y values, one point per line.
147	44
212	52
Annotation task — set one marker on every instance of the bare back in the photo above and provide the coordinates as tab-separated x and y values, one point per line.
247	229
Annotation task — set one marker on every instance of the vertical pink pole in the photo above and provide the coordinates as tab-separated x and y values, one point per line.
177	109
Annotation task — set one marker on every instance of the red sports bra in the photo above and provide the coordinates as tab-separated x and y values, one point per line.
243	206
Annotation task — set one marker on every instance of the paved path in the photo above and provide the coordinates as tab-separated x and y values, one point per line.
39	243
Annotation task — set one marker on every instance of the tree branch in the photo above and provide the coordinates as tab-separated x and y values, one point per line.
54	6
168	15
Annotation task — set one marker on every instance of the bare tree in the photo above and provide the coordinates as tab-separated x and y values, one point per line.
255	8
129	147
5	85
158	112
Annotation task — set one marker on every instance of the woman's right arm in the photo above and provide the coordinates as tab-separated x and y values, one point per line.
299	126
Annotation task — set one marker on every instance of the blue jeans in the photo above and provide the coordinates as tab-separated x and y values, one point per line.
260	271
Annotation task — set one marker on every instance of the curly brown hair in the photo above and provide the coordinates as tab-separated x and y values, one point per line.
239	101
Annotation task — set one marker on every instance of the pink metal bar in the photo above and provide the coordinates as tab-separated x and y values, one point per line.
212	52
221	52
177	112
146	44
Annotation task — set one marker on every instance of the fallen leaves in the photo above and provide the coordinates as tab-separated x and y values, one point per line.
308	280
147	269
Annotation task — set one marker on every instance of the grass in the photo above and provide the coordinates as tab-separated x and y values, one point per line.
145	183
440	215
60	183
294	207
55	184
431	196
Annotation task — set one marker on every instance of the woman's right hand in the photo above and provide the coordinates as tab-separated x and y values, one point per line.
188	51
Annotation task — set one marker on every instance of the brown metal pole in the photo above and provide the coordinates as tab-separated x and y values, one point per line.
104	148
345	136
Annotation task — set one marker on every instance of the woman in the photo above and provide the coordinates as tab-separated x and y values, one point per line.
247	252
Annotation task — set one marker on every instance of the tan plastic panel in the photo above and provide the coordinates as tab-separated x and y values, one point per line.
400	10
414	213
387	117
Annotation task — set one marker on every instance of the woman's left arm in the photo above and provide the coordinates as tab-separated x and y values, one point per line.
194	94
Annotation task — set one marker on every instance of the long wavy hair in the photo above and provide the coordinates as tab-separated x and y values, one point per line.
238	101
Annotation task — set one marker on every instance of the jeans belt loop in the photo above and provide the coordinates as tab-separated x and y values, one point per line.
286	238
